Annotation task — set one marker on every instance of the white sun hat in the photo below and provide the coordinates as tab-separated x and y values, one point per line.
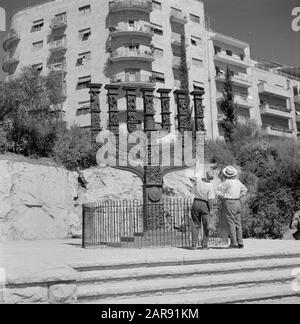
230	171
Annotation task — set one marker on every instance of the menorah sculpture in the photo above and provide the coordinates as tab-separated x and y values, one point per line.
152	175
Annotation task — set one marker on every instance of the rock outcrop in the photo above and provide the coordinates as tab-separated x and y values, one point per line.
45	202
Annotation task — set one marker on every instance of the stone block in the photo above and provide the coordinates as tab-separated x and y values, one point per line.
63	293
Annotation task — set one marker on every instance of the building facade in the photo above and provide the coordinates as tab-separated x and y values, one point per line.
144	43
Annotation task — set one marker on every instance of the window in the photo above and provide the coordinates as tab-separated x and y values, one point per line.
83	58
85	10
196	41
159	77
85	34
296	91
131	23
38	67
37	45
83	82
158	52
84	108
157	30
195	18
217	50
198	86
197	62
242	56
37	25
156	5
229	52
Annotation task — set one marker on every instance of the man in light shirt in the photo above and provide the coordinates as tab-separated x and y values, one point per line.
202	208
232	190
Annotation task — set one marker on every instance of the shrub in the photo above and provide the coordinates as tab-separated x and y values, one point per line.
218	152
73	149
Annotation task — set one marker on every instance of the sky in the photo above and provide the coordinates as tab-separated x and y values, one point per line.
265	24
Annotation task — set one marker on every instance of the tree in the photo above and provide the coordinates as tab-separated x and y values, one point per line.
229	109
30	91
27	117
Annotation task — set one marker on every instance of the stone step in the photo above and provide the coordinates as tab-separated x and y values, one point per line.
200	283
101	276
259	294
197	258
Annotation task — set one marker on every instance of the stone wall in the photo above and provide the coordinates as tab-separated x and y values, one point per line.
45	202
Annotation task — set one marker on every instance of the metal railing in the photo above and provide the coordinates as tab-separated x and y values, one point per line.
59	21
125	53
128	78
130	223
178	15
127	28
11	37
117	5
60	44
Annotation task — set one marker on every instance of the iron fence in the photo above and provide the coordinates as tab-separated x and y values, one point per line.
130	223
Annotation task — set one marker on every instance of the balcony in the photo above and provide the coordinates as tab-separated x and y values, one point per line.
177	40
240	79
265	87
59	22
241	100
57	67
9	62
277	131
126	79
58	45
126	29
131	55
128	5
234	59
10	40
178	17
277	111
297	98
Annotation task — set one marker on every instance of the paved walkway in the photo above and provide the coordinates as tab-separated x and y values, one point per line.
32	259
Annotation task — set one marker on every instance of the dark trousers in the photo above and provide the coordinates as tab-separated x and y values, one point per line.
200	215
234	220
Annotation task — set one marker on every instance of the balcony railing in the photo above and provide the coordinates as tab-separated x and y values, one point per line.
233	59
275	110
9	61
58	67
126	54
241	79
59	22
58	45
275	130
265	87
177	40
124	29
137	5
178	17
139	79
297	98
10	39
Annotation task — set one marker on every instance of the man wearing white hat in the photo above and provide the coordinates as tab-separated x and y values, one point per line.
232	190
202	207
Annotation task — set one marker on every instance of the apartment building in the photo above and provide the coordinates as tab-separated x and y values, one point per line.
144	43
264	91
137	43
